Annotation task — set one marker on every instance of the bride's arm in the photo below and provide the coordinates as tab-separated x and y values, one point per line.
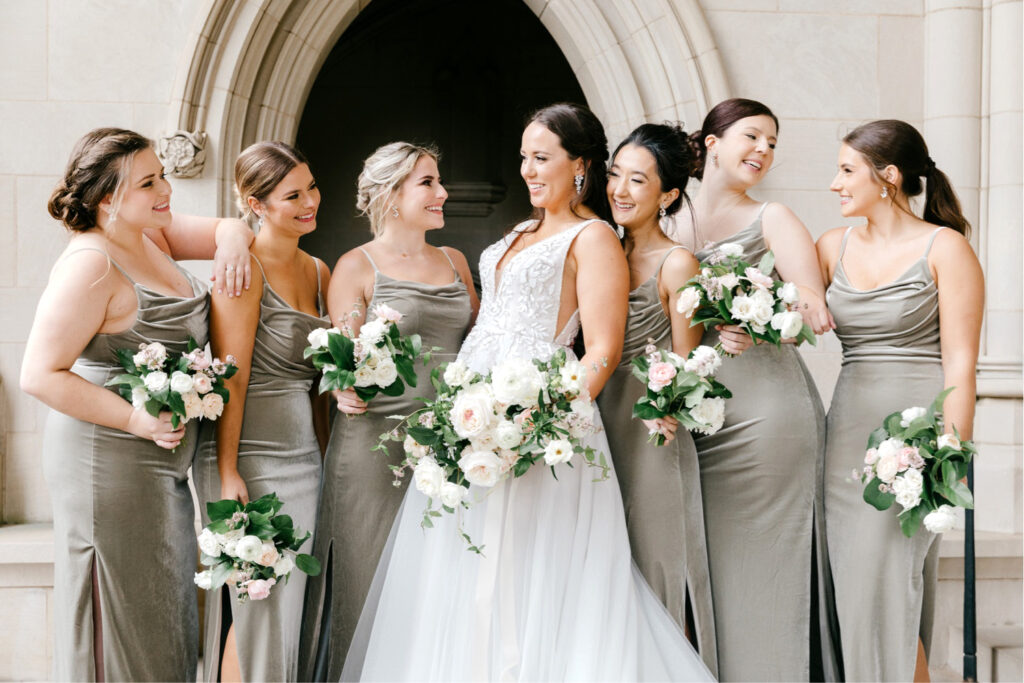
602	290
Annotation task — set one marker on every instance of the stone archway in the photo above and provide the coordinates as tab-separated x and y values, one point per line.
250	67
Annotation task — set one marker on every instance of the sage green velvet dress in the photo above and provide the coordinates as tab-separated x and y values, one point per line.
761	480
123	515
359	500
277	453
660	484
884	582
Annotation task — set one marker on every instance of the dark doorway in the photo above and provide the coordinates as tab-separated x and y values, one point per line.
462	74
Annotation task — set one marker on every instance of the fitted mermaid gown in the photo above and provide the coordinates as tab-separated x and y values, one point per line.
359	501
555	596
123	516
660	484
277	453
884	582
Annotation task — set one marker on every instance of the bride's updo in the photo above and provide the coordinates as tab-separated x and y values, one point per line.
100	164
383	173
582	136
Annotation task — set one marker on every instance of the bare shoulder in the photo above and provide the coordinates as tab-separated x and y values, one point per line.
779	216
353	263
830	241
457	257
598	235
950	247
86	265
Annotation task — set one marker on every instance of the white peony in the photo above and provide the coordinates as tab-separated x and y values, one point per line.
472	411
181	382
429	477
789	293
788	323
573	375
373	332
318	338
907	493
202	383
249	548
456	374
208	543
213	406
516	381
703	361
204	579
139	397
507	434
945	440
911	414
365	376
557	451
482	468
688	302
284	565
733	249
385	373
452	494
710	413
941	520
156	381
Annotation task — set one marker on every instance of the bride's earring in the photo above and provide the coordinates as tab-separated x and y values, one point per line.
578	179
661	212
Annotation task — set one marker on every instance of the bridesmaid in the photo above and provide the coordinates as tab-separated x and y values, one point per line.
660	485
265	440
124	539
400	191
907	295
761	473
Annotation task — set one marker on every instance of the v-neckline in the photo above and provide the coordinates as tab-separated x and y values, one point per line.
499	278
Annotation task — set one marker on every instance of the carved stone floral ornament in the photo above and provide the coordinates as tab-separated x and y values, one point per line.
183	154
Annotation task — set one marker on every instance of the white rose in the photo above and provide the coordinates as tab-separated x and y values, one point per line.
729	280
181	382
365	376
429	477
743	308
507	434
249	548
204	579
573	375
516	381
788	323
386	373
373	331
318	338
139	398
688	302
229	541
911	414
482	468
208	543
945	440
941	520
156	381
731	249
710	413
213	406
913	481
557	451
414	448
452	494
284	565
456	374
907	494
202	383
472	411
789	293
703	361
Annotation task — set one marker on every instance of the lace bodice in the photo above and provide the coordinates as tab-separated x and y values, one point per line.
519	308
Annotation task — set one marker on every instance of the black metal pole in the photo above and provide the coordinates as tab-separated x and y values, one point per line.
970	617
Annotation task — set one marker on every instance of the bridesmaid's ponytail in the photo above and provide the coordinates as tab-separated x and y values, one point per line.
941	205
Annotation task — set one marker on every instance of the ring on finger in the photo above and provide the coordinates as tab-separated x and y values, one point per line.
229	268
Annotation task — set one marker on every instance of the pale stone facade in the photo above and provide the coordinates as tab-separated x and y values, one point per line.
241	70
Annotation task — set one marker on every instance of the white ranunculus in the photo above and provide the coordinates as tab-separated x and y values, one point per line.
516	381
414	448
229	541
365	376
208	543
457	374
472	412
703	361
789	293
373	331
317	338
482	468
557	451
385	373
284	565
204	579
507	434
788	323
911	414
733	249
452	494
941	520
139	397
945	440
710	412
429	476
688	302
156	381
573	375
181	382
249	548
213	406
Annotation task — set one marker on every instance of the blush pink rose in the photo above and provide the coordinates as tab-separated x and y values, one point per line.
907	455
259	589
660	375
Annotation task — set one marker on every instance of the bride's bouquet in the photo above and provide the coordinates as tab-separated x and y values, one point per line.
730	291
190	385
482	429
683	388
251	547
910	460
377	360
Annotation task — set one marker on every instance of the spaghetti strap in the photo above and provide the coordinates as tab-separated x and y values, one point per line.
665	257
450	262
931	241
370	259
319	286
262	272
760	212
109	260
842	245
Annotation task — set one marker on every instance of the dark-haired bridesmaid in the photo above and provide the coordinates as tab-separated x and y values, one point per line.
907	295
761	473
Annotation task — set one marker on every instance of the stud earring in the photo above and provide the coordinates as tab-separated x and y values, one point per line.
394	211
578	179
885	192
661	212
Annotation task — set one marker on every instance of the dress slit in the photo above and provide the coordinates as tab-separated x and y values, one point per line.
97	625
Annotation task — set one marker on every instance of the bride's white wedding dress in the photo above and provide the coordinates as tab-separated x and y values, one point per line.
555	596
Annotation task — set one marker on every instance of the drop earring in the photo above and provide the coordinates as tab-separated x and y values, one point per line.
578	180
714	159
661	212
394	212
885	192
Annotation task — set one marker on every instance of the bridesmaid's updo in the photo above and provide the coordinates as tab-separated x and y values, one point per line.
582	136
383	173
720	119
669	145
100	164
896	143
259	169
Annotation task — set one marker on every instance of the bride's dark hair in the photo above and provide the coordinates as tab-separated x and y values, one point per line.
582	136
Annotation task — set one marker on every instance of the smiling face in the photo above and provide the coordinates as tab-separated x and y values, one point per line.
746	149
634	187
420	198
547	169
292	204
855	183
146	195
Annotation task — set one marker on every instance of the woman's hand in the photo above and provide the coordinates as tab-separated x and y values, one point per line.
815	312
155	429
666	426
232	487
734	339
348	402
231	264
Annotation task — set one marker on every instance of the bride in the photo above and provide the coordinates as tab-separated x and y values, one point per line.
555	595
